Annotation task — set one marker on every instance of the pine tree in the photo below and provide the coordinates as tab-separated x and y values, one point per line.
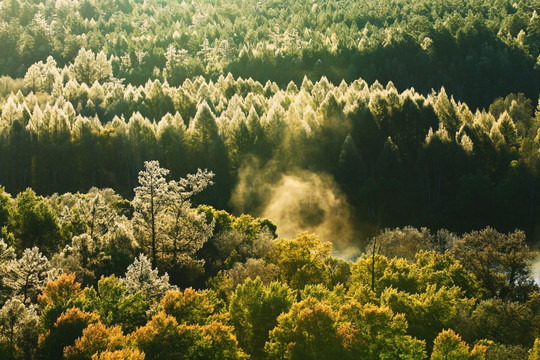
7	254
97	214
19	327
27	276
140	276
151	198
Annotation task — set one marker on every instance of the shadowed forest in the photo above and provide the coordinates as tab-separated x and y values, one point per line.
269	180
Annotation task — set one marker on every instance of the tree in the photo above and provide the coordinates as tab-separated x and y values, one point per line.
88	68
58	295
402	242
186	229
124	354
163	216
505	322
508	130
446	111
83	258
372	332
7	254
429	312
252	269
254	309
449	346
97	214
308	331
302	261
313	329
114	306
534	353
34	223
5	207
27	276
501	262
192	307
163	338
141	277
67	328
151	198
96	339
19	328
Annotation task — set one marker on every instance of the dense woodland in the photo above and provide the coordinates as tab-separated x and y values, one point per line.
401	158
136	137
477	49
80	280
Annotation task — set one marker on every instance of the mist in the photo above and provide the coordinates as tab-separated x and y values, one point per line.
299	201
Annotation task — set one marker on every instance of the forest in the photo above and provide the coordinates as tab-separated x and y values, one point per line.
269	179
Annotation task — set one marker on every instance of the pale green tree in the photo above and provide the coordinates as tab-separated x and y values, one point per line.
26	277
19	329
89	67
140	276
151	199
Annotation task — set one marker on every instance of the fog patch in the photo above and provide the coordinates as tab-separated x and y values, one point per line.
299	201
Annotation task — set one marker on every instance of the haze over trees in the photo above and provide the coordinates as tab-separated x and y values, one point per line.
160	162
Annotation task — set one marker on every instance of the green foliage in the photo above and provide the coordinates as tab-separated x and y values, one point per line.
302	261
448	346
506	322
423	46
34	223
500	262
114	306
312	329
254	309
427	313
479	284
18	330
466	169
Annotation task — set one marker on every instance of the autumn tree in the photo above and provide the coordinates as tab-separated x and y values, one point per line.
449	346
58	296
192	307
68	327
95	340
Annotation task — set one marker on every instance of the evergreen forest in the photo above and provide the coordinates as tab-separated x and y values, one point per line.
275	179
